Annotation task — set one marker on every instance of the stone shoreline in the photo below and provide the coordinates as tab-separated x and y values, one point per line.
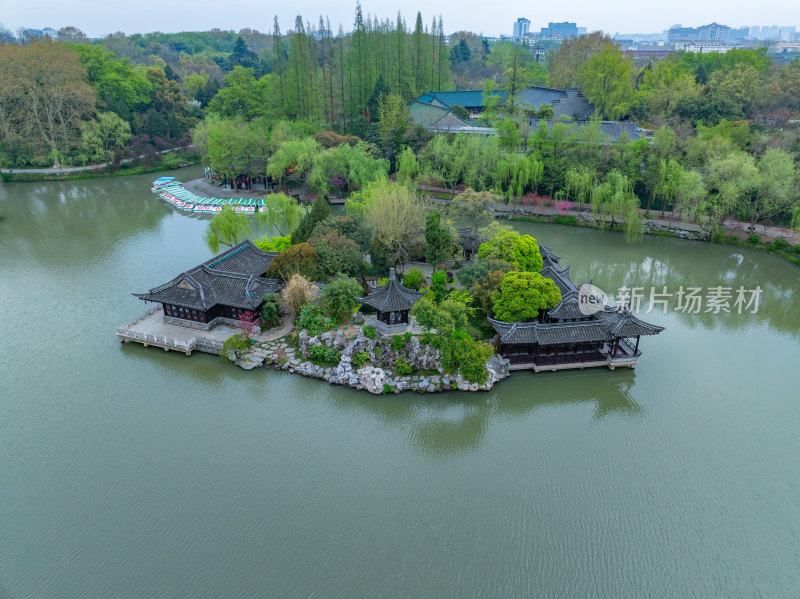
282	355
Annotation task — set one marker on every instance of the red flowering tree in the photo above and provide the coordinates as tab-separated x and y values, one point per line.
248	323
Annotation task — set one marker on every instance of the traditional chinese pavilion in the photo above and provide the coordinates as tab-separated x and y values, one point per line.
565	337
393	302
218	291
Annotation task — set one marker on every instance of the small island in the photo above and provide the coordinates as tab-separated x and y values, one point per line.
393	297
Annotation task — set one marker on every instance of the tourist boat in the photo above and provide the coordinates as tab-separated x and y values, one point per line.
245	209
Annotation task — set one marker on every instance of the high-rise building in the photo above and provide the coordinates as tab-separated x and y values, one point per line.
714	32
521	28
785	33
561	30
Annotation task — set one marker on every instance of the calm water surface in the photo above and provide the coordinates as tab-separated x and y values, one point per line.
130	472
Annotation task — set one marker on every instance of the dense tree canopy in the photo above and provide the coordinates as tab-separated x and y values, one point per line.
520	251
522	295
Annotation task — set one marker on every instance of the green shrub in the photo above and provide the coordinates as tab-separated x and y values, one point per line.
171	160
312	319
270	311
338	298
402	367
360	359
399	341
754	239
439	286
779	245
431	339
236	343
462	354
718	236
414	279
478	270
369	331
387	388
324	354
796	249
450	277
563	219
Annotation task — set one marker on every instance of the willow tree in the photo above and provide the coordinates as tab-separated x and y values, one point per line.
345	168
670	174
443	161
518	173
394	212
606	80
690	193
407	166
579	183
776	187
281	212
730	180
226	228
614	199
295	155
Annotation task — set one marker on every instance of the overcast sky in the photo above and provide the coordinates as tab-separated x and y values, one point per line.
98	18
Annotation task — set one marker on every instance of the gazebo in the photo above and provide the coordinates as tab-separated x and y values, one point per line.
392	301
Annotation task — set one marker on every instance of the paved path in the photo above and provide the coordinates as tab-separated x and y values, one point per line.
78	169
287	324
668	221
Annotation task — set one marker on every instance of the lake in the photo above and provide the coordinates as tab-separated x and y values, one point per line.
132	472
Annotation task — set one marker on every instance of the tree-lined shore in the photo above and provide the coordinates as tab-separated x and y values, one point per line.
329	111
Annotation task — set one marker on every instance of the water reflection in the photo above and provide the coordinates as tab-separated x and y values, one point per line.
663	261
61	221
454	422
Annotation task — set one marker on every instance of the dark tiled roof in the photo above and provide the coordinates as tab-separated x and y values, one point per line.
441	119
425	114
612	130
203	288
548	257
391	296
560	276
232	279
569	102
556	333
244	258
602	326
625	324
568	307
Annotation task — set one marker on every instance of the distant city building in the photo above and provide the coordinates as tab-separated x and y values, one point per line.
704	47
651	38
785	48
562	30
774	33
48	32
521	28
713	32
